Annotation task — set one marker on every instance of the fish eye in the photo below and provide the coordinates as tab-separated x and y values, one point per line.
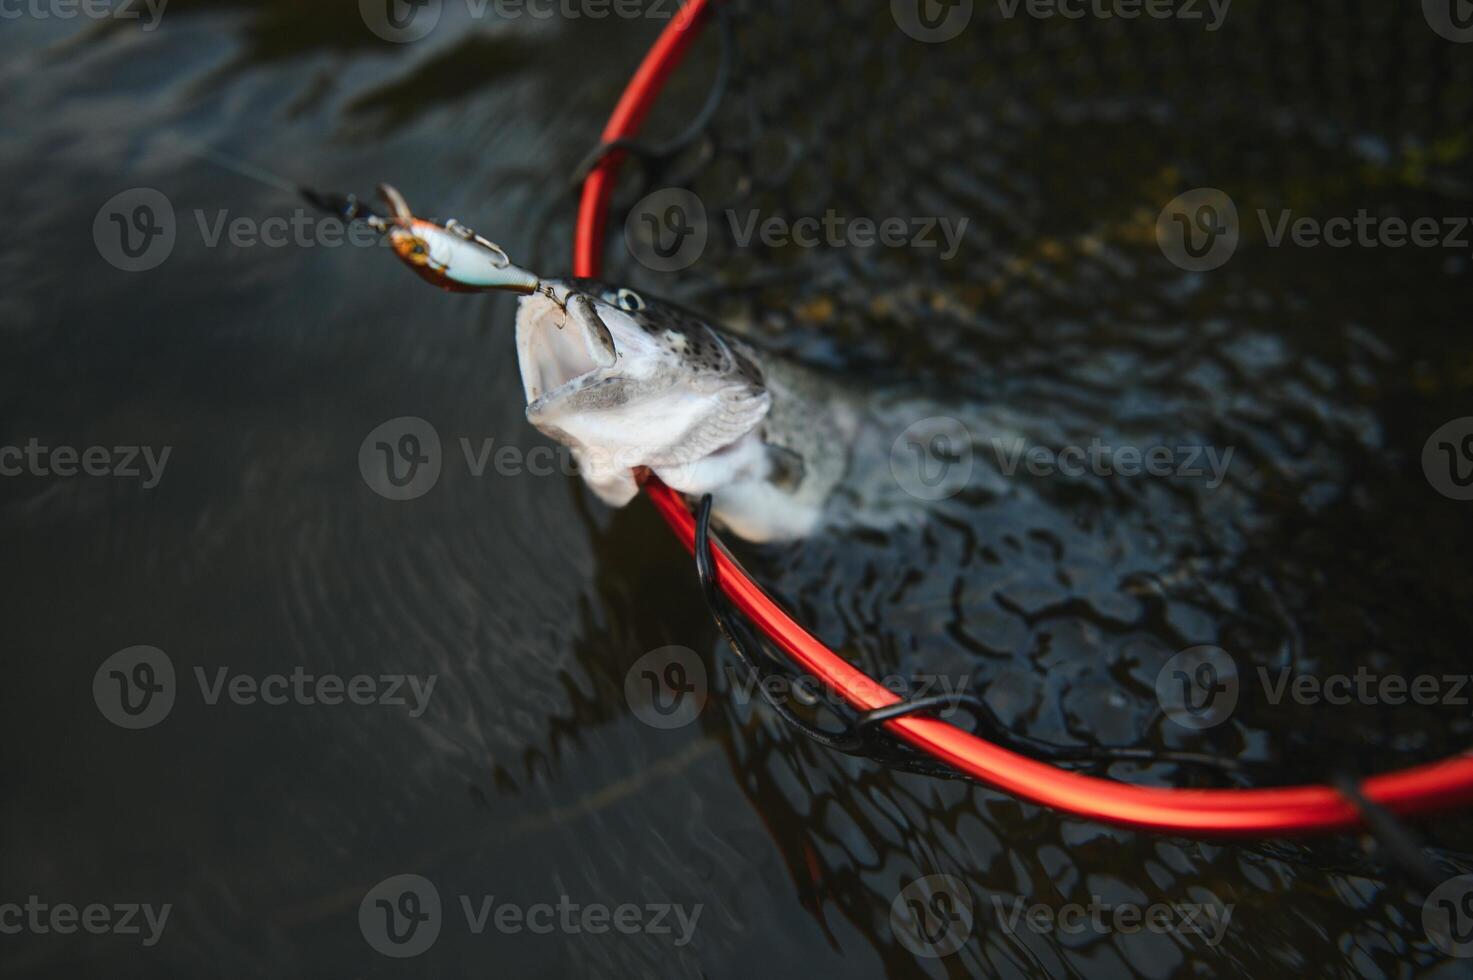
629	301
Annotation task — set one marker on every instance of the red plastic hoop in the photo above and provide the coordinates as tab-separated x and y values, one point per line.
1274	812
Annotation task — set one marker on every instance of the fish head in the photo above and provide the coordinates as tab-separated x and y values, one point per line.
629	381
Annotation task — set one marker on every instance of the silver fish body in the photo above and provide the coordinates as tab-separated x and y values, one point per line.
626	381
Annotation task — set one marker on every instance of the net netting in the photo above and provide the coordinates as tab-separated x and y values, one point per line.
1060	141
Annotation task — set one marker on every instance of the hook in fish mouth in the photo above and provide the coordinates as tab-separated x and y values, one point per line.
448	255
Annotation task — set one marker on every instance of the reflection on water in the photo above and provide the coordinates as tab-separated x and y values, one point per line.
262	550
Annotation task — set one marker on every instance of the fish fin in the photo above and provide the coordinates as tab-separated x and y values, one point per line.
737	410
614	485
788	468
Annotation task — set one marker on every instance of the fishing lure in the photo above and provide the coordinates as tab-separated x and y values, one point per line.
450	255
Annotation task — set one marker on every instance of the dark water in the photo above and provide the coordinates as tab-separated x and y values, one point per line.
527	777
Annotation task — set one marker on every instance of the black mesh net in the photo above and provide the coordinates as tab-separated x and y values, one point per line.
1060	142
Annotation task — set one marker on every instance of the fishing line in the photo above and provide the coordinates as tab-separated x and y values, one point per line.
235	165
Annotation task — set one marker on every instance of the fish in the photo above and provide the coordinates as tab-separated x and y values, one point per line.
632	384
629	382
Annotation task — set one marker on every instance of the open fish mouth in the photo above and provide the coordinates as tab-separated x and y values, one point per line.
561	347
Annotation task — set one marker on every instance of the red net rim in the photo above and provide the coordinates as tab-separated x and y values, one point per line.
1272	812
